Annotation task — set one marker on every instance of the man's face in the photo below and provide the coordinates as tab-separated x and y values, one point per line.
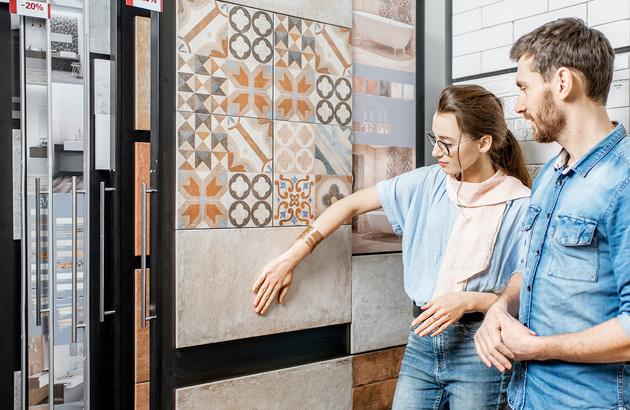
536	103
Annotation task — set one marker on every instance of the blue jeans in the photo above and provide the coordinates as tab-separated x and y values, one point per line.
444	372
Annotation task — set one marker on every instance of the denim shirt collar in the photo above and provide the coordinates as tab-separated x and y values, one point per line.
593	156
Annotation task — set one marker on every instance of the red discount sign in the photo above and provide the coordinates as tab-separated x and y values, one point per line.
30	8
153	5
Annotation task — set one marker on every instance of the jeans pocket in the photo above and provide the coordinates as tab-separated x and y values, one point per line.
469	328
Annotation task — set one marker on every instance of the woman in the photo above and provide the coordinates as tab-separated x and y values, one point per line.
460	225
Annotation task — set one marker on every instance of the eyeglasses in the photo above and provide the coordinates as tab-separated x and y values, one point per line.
445	147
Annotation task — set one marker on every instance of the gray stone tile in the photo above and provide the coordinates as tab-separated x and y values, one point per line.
318	10
323	385
381	311
217	267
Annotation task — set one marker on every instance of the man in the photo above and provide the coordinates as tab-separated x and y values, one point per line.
572	292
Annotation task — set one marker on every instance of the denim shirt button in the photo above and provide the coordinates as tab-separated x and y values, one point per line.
560	183
537	252
529	288
525	324
548	215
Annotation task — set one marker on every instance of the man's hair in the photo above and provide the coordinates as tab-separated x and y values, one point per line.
570	43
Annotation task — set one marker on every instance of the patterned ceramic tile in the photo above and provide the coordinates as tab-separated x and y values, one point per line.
334	99
199	195
295	95
250	33
201	84
333	150
384	89
193	141
294	147
330	189
250	89
334	51
293	199
223	200
241	144
202	27
397	90
294	43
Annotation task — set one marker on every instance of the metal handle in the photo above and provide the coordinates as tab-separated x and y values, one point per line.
74	260
38	251
102	311
143	257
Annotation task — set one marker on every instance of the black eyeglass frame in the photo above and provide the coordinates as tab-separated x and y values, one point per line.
445	147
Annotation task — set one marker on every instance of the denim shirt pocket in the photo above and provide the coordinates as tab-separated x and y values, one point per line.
530	217
574	248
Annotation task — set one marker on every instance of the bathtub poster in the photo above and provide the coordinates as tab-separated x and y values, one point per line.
384	54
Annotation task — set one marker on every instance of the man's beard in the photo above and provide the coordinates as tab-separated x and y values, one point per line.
550	121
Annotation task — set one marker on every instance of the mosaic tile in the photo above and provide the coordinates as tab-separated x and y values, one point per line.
193	142
241	144
294	147
334	52
223	200
330	189
294	43
333	150
334	99
250	33
358	85
198	202
202	28
293	199
408	91
201	84
250	89
294	95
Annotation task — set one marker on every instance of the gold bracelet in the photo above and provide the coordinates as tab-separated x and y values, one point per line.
312	237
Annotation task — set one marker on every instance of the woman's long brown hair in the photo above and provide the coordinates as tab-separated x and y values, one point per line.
478	113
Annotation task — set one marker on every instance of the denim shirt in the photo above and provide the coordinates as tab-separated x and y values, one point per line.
576	274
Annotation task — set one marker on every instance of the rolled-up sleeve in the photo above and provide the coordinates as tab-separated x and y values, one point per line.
618	226
397	194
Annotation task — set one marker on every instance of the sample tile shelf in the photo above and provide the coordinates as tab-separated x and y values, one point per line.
264	117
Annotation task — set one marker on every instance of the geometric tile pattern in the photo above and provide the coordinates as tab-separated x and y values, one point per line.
223	199
335	99
295	96
334	50
240	144
294	43
202	28
250	34
250	89
264	115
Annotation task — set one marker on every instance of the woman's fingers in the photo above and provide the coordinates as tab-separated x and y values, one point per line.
423	316
283	293
261	292
270	296
259	281
442	328
434	324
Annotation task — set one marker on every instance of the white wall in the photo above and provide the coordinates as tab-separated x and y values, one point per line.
484	31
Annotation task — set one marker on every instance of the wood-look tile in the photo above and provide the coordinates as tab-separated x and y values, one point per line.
142	393
376	366
142	174
142	342
143	73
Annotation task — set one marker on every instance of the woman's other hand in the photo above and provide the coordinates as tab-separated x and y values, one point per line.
442	312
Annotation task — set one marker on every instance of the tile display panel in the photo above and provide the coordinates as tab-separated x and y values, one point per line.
322	385
215	272
264	117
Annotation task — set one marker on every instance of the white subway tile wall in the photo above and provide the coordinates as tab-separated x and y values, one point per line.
504	21
485	49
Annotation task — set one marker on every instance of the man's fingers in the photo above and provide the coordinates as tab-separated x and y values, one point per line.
481	353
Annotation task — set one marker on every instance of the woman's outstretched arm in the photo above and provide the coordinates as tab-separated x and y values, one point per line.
276	277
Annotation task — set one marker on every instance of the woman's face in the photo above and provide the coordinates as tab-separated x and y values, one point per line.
462	156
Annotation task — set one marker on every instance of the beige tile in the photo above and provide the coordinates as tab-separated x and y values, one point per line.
318	10
143	74
323	385
216	269
142	173
378	302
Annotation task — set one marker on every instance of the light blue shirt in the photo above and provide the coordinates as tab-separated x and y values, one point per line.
419	209
577	275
